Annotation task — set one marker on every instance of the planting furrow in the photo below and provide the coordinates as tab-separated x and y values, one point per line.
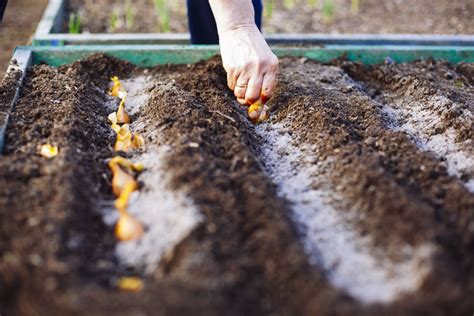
246	248
328	237
426	103
164	199
387	182
50	230
169	216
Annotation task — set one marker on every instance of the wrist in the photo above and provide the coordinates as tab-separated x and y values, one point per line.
238	27
233	15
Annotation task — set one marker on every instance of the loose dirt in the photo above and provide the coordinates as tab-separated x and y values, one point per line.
300	16
17	27
97	16
331	208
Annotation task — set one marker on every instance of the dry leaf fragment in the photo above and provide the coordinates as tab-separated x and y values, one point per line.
132	284
257	112
128	228
49	151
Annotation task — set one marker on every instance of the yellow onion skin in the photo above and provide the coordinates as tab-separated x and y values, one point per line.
128	228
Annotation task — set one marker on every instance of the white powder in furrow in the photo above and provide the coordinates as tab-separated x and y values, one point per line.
137	94
420	120
327	236
168	215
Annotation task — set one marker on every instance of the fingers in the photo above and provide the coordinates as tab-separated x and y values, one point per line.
241	86
242	101
231	80
268	85
253	89
253	80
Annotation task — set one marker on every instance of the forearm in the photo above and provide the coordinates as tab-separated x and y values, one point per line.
232	14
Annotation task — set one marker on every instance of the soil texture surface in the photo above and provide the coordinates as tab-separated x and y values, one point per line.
355	198
19	23
292	16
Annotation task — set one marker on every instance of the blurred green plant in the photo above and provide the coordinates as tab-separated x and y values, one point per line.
114	19
313	3
162	11
355	6
129	14
74	23
268	7
327	11
289	4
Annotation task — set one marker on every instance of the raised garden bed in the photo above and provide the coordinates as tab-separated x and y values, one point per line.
355	198
54	28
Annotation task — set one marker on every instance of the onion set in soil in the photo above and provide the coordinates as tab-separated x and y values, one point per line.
258	112
123	170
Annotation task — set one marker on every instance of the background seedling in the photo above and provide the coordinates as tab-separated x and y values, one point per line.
129	14
268	8
115	20
289	4
355	5
162	11
328	11
313	3
74	23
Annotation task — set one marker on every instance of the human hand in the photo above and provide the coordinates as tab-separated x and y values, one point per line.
250	64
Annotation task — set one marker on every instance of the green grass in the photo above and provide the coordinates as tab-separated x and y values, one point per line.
328	11
129	14
114	19
289	4
313	3
162	11
355	6
268	7
74	23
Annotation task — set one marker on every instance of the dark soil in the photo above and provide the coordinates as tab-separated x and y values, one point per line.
299	16
96	16
58	255
380	17
17	27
